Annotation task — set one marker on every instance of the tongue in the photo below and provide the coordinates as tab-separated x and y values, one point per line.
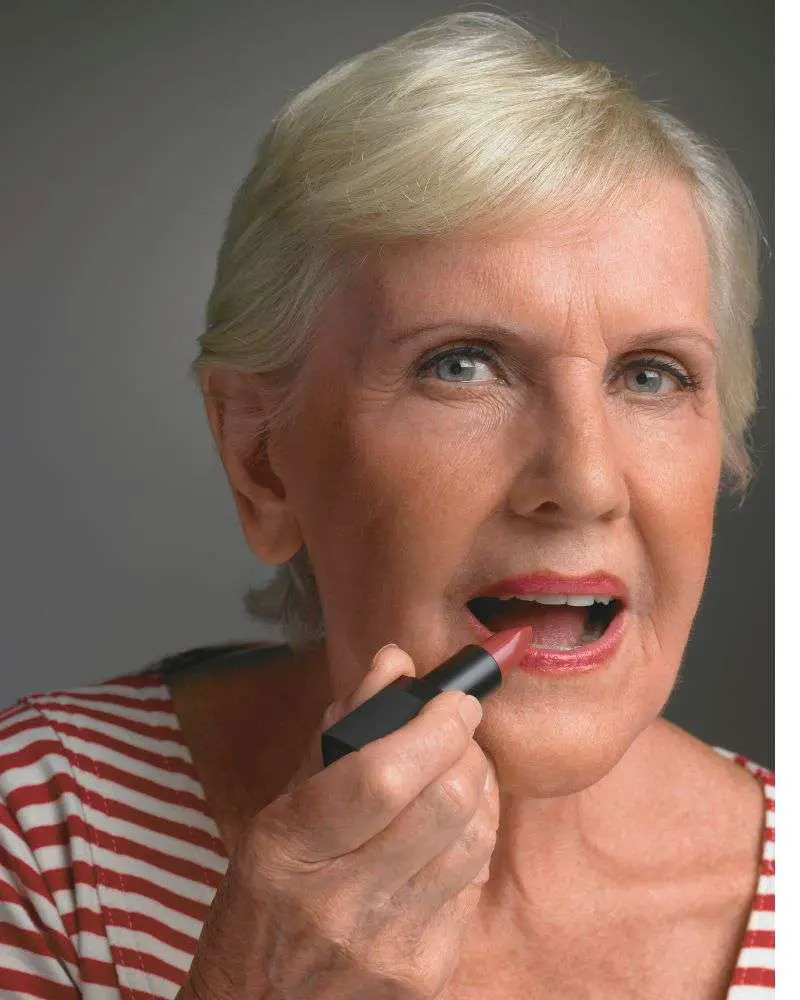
561	625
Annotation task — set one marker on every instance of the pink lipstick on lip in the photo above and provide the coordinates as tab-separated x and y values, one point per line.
581	659
602	584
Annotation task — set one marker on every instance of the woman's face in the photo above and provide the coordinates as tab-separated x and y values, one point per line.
583	436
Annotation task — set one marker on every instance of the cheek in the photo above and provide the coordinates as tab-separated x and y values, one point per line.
673	500
395	499
679	472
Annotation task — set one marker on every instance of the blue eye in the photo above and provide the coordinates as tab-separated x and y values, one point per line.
655	377
459	364
646	380
644	376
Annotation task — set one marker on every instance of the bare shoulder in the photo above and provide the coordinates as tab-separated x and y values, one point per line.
246	720
699	820
710	803
249	700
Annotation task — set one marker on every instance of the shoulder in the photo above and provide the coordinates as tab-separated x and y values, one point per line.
34	772
705	811
67	721
104	837
728	809
48	881
763	775
723	789
70	756
713	815
50	741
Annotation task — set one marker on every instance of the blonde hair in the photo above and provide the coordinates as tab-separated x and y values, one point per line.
461	126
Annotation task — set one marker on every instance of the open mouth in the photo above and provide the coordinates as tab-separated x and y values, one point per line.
558	623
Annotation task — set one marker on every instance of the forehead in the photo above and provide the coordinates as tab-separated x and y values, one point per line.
645	255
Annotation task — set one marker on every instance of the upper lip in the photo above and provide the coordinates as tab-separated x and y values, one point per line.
599	583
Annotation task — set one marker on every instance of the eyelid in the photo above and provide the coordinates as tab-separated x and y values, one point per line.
652	357
461	345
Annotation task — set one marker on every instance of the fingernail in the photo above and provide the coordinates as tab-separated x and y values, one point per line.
389	645
471	710
330	714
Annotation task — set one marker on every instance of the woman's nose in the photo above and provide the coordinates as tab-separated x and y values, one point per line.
576	468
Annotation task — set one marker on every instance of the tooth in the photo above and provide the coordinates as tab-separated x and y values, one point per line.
553	600
521	597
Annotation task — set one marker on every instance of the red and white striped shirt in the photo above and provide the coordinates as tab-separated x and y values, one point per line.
109	858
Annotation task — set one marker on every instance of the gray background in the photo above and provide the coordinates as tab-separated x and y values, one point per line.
125	128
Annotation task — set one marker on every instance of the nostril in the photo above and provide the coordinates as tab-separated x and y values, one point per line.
548	507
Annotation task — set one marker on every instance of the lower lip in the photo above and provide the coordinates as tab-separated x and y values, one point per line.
580	660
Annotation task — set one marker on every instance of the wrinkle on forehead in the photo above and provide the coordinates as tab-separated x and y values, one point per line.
648	258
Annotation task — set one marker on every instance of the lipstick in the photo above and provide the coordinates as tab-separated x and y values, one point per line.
474	669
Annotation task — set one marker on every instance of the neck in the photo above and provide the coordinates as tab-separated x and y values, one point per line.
551	854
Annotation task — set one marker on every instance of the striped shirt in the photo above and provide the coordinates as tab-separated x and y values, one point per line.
109	857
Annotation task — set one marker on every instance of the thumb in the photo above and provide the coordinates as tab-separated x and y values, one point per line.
389	663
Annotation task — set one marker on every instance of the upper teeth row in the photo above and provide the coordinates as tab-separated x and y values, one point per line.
574	600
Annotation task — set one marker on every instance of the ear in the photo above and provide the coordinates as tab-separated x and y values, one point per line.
234	404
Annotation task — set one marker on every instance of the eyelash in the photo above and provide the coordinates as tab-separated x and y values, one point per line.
655	362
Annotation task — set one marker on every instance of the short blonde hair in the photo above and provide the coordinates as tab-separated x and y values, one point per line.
459	127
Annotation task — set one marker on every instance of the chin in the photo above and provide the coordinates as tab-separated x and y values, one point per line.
564	756
550	737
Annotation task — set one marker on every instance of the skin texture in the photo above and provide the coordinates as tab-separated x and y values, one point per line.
413	489
411	493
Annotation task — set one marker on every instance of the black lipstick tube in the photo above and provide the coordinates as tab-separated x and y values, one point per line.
472	670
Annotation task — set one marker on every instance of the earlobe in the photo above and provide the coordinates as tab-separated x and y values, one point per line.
272	535
235	414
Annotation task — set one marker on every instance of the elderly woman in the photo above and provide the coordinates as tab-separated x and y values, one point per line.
479	353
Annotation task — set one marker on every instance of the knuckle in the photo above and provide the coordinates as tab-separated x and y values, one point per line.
446	727
456	796
384	783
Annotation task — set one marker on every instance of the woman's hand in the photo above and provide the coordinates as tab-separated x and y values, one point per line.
359	881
